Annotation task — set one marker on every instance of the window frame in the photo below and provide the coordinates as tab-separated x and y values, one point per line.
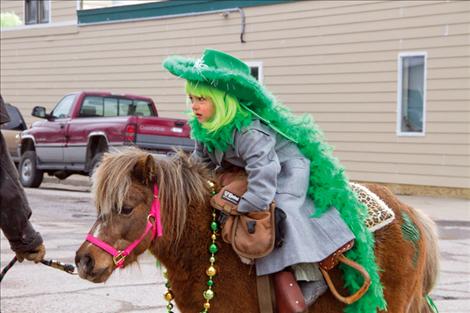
259	65
400	58
49	18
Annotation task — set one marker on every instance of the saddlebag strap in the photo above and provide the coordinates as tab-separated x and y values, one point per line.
333	260
265	297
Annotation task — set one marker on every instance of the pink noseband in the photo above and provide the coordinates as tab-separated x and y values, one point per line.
119	256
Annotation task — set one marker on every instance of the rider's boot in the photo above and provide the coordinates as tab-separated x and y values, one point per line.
289	297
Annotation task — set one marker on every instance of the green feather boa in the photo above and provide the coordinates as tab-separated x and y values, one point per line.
223	137
328	187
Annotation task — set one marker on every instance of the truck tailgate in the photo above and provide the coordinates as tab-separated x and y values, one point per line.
163	134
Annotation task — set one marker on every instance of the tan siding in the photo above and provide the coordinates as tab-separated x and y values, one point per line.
63	11
15	6
404	158
412	179
383	127
335	60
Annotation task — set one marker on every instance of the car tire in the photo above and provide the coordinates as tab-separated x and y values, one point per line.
95	162
30	175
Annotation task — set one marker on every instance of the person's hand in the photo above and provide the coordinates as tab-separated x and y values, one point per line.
36	255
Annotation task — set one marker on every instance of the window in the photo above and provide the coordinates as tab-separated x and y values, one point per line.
96	106
92	107
135	107
36	11
63	108
256	69
110	107
411	93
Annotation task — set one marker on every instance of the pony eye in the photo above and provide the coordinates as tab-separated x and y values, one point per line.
126	210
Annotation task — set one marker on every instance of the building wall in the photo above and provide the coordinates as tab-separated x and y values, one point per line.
63	11
334	60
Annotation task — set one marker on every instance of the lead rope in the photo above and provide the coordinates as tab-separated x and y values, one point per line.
68	268
208	294
7	267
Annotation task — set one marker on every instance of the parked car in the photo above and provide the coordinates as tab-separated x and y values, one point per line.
11	131
83	125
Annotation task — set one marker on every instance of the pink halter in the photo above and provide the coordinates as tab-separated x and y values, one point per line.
119	256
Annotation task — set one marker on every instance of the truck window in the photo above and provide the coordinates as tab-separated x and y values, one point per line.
96	106
63	108
110	107
92	107
135	107
142	108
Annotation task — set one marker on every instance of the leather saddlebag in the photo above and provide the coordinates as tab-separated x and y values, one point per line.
251	235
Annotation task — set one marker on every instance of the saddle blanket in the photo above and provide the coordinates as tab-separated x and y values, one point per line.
379	214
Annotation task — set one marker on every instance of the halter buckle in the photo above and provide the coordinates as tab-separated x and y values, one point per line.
119	258
151	218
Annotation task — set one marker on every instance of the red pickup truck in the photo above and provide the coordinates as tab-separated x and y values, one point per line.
84	125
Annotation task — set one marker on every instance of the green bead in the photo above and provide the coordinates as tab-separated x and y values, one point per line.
214	226
210	283
208	294
169	306
213	248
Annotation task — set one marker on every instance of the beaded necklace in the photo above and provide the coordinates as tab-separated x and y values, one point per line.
208	294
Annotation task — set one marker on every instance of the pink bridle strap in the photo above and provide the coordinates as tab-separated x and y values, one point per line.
156	211
119	256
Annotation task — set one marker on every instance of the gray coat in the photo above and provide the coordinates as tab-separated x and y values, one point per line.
277	170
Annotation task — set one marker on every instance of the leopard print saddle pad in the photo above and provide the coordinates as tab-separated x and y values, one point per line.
379	214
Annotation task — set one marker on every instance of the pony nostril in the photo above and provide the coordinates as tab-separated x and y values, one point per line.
86	262
77	260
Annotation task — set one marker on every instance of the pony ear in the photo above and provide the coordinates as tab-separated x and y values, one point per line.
145	170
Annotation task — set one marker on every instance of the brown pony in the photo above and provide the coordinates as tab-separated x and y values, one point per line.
123	192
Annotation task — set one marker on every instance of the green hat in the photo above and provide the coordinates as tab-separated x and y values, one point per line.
222	71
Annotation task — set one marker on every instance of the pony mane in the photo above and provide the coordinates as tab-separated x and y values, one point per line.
182	183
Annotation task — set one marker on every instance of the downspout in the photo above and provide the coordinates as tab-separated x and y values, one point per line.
243	21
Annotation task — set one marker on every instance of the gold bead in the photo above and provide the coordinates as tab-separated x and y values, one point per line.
211	271
168	296
207	305
214	237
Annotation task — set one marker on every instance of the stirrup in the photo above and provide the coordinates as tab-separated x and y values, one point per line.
356	296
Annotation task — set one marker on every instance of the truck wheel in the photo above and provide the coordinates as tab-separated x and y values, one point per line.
95	162
30	176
